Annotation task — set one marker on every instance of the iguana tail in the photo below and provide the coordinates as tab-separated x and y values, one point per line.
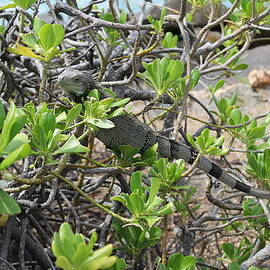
129	130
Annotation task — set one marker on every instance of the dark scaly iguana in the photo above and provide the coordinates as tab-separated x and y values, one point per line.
129	130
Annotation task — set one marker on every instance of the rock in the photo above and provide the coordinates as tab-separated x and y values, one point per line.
200	17
259	78
250	102
256	58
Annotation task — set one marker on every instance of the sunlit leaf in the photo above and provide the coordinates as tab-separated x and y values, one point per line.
25	4
8	6
51	35
22	50
101	123
72	145
16	142
21	152
38	23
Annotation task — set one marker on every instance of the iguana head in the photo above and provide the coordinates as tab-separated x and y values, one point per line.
76	82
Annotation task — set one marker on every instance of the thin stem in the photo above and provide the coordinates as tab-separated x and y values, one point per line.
89	199
41	95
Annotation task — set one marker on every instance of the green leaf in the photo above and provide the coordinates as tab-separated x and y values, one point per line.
108	262
18	124
150	19
8	6
48	122
102	252
8	123
175	68
137	204
65	231
64	241
56	246
241	67
117	112
195	77
38	23
136	181
72	145
123	17
119	265
61	117
107	17
101	123
25	4
234	266
22	50
151	220
236	115
21	152
170	40
150	155
53	52
191	140
16	142
201	143
218	85
110	92
165	210
73	114
55	138
153	190
254	268
244	4
126	201
219	141
175	261
229	249
39	138
95	94
31	40
120	102
63	263
233	99
218	152
163	74
188	263
120	199
161	166
2	115
51	35
92	240
8	205
98	263
128	152
256	133
81	254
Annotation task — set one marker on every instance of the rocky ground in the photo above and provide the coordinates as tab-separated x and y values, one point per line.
252	84
252	100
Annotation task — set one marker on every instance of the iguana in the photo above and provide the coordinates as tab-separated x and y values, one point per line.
131	131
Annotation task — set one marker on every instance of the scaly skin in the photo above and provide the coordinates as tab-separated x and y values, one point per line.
129	130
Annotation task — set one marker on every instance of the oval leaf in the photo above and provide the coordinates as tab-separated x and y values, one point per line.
72	145
8	205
